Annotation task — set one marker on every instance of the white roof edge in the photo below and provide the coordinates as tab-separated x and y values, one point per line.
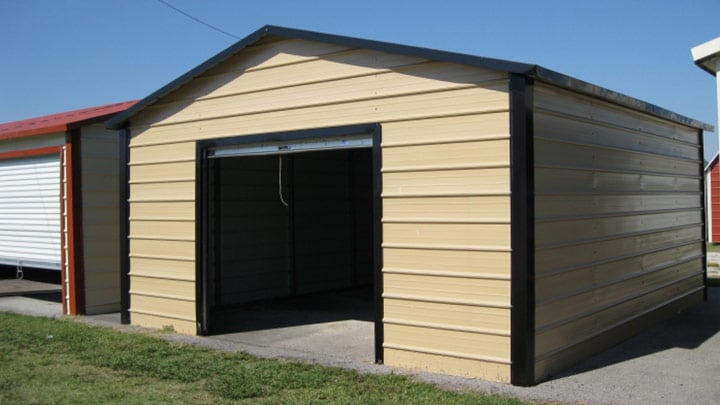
706	50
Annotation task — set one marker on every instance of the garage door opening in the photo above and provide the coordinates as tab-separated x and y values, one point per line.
291	238
30	223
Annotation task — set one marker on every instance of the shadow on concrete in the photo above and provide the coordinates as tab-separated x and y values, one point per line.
35	282
688	330
55	297
356	304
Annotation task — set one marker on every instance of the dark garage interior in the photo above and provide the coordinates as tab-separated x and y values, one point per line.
290	239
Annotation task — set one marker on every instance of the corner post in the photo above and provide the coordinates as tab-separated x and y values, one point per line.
124	174
522	203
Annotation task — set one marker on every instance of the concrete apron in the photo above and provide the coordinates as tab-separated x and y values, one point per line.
12	286
674	362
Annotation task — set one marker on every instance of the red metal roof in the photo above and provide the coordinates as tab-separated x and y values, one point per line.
60	122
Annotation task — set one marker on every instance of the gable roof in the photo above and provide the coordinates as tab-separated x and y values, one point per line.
61	122
529	70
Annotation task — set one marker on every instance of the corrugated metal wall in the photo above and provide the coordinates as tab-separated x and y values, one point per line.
714	199
30	211
619	224
446	188
100	223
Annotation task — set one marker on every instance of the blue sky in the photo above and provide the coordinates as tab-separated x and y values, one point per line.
59	55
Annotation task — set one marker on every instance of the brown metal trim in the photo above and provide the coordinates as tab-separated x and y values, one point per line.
50	150
71	257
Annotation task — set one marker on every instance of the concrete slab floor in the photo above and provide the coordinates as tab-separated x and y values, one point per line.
12	286
674	362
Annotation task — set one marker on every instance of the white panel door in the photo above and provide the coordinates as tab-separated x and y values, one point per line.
30	212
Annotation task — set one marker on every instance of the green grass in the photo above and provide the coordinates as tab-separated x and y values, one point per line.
63	361
712	248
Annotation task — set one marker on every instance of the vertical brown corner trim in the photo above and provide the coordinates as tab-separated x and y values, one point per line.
522	204
124	193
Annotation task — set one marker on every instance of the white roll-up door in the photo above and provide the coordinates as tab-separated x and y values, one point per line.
30	212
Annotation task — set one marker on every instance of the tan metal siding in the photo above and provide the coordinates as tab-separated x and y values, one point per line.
100	167
445	153
618	229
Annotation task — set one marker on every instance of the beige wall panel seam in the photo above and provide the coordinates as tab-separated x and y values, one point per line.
457	274
627	277
166	257
154	181
489	96
385	121
371	77
159	200
443	326
297	49
594	310
165	296
616	325
555	245
134	143
430	168
428	246
445	141
160	161
162	238
356	107
570	117
388	194
466	356
408	66
329	82
162	315
276	53
135	273
438	300
553	272
477	221
331	67
159	219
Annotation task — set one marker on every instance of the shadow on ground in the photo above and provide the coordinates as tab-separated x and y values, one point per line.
354	304
688	330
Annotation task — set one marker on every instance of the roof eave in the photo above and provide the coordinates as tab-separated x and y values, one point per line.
571	83
122	119
534	71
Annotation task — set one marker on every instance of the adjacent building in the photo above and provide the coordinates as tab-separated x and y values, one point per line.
60	206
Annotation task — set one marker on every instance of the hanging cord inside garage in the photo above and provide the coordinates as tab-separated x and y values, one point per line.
280	191
19	274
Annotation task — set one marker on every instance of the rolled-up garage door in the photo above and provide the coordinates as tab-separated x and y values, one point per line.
30	211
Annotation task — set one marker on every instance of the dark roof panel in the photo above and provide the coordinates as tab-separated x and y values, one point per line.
530	70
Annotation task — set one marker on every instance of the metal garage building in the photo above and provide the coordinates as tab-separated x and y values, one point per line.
511	219
59	188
